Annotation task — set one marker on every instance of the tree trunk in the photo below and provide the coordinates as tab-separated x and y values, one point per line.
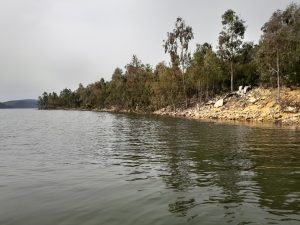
199	91
231	78
172	102
184	90
278	76
206	95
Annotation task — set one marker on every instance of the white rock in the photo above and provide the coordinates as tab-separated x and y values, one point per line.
290	109
210	102
252	100
246	89
240	91
219	103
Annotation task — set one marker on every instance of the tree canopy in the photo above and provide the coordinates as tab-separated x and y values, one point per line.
230	39
195	77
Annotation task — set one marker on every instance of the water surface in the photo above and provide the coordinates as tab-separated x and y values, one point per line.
87	168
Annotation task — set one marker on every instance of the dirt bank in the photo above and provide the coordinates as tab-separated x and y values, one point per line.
258	104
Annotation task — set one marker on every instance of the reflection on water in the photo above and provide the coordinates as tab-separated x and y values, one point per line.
100	168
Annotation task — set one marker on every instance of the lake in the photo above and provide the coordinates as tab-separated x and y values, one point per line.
88	168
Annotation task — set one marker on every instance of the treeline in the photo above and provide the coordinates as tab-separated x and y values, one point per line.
196	77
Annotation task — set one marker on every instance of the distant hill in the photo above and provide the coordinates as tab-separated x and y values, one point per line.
3	106
16	104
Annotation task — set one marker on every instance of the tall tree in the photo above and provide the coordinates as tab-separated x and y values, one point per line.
246	69
177	45
279	44
205	72
166	88
230	39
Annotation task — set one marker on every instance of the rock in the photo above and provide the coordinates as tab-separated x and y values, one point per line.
246	88
242	105
210	102
290	109
240	91
252	100
219	103
278	116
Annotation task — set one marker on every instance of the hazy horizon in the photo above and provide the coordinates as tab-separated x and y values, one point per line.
53	44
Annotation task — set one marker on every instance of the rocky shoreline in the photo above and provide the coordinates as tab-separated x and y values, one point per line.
257	105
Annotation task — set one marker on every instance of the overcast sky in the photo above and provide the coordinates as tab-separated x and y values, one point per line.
47	45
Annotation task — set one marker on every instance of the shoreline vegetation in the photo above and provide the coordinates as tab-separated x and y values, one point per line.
258	106
240	81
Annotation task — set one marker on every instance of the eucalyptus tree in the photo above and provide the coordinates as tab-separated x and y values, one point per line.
166	89
205	71
43	101
246	72
230	39
116	89
177	45
279	45
66	97
138	77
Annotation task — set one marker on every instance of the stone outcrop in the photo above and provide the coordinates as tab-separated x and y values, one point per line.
219	103
258	104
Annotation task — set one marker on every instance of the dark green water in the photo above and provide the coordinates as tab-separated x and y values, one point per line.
85	168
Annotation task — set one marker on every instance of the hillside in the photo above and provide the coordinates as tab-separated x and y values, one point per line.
3	106
24	103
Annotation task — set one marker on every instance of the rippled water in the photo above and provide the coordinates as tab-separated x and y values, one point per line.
69	167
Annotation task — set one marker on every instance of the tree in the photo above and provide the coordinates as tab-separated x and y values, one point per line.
116	90
43	101
66	97
279	45
246	69
230	39
166	88
177	45
205	72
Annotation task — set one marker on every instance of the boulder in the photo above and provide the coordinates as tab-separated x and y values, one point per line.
219	103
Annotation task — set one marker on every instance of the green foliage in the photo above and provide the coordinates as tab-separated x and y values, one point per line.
246	71
138	78
230	39
177	45
205	74
199	77
167	88
279	47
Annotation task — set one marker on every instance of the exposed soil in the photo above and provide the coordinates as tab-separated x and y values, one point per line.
258	104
